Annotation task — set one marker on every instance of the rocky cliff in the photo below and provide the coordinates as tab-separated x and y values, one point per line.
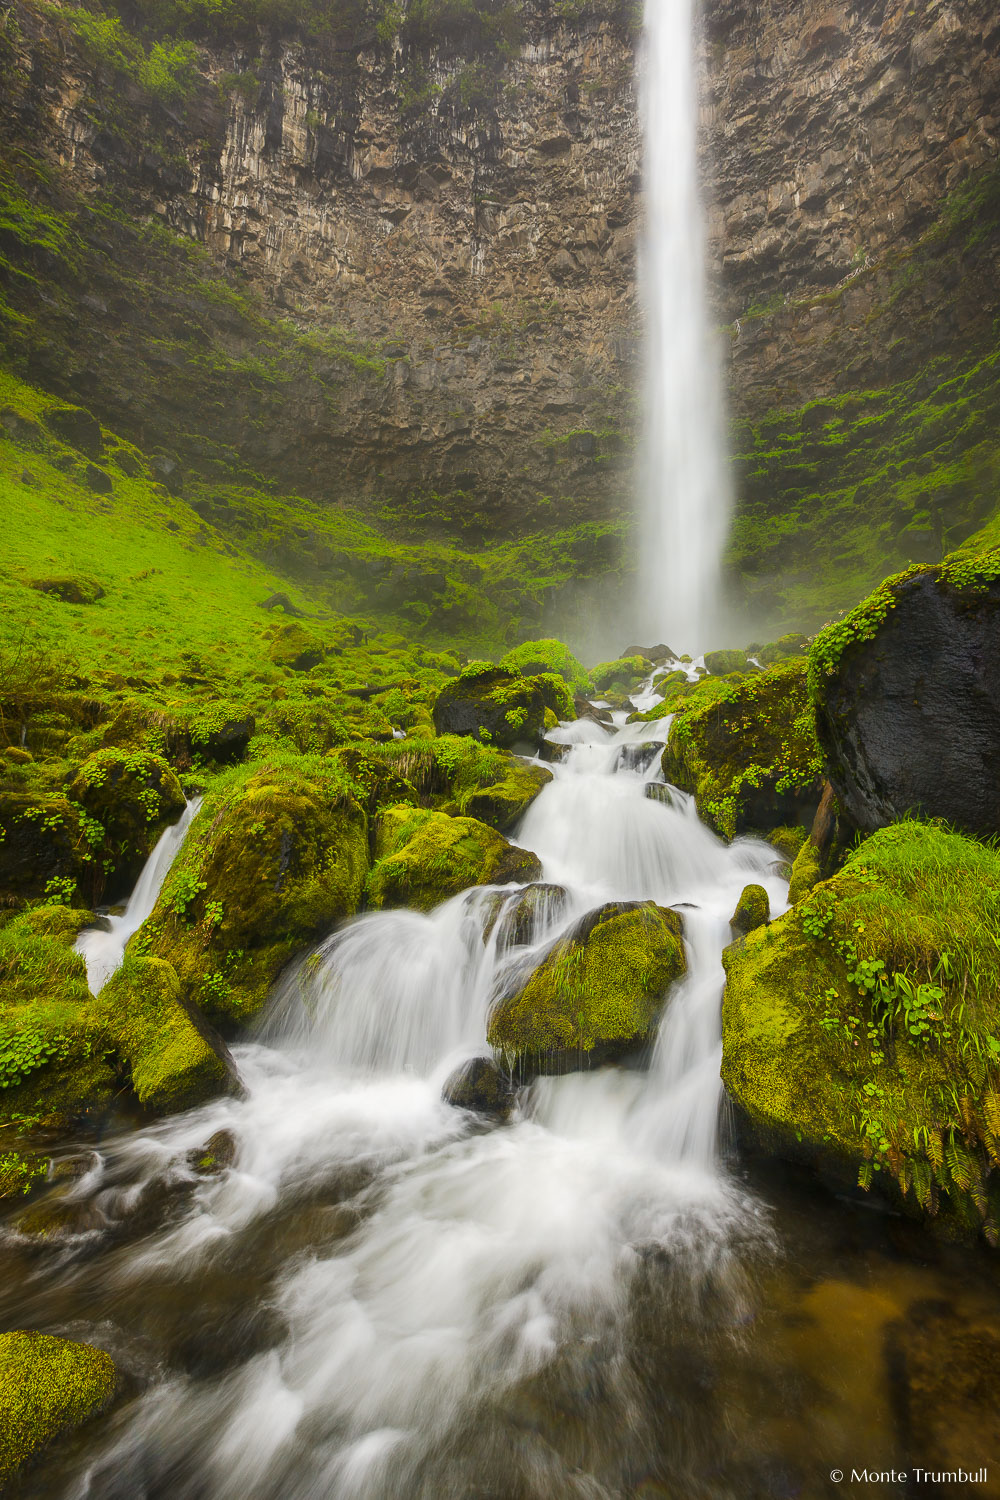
409	278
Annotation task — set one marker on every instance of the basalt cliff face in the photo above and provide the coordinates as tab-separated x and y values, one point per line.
449	239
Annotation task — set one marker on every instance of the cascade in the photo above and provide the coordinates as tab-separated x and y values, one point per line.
417	1267
684	485
103	948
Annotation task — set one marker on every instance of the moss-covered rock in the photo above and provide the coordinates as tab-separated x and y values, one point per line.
907	695
128	797
747	750
807	871
596	994
517	915
480	1086
276	856
557	695
296	650
47	1386
425	857
503	803
70	589
54	1053
623	675
493	704
753	910
861	1030
788	841
721	663
534	657
783	647
173	1060
41	846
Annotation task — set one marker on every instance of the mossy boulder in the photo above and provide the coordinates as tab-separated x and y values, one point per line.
70	589
532	658
788	841
55	1069
296	650
503	803
41	845
623	675
807	871
517	915
557	696
785	646
747	749
480	1086
597	993
425	857
47	1387
907	694
721	663
131	795
861	1030
493	704
753	910
173	1060
276	856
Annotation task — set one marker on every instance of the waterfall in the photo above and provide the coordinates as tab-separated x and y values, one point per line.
103	948
417	1270
684	501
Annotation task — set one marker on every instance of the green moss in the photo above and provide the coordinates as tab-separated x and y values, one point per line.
535	657
721	663
622	675
127	797
503	803
597	992
747	749
806	872
276	856
788	841
47	1385
426	857
863	1027
172	1065
494	704
753	909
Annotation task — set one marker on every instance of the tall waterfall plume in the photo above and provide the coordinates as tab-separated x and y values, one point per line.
685	497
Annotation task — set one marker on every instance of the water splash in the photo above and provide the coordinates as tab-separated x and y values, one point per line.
685	491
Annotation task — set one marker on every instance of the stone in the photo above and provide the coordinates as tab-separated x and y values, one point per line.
76	426
908	709
47	1387
480	1086
753	910
494	704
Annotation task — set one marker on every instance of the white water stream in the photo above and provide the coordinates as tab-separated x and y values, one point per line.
424	1272
103	948
685	488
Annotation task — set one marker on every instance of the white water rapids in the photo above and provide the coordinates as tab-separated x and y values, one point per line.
415	1279
684	480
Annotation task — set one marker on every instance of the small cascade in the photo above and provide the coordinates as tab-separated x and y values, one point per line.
421	1267
103	948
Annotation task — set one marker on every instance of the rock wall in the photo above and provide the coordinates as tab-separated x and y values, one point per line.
477	229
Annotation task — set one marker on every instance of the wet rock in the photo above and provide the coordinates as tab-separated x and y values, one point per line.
216	1156
639	757
480	1086
47	1387
944	1371
517	915
753	910
658	791
98	480
655	654
426	857
908	708
494	704
41	842
596	994
503	803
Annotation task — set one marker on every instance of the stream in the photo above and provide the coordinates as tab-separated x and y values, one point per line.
372	1294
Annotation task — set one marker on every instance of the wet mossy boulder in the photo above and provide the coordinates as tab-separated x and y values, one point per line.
517	916
907	695
783	647
174	1061
747	749
503	803
480	1086
788	841
47	1387
623	675
41	846
493	704
721	663
132	796
56	1070
753	910
595	996
861	1030
426	857
277	855
532	658
76	426
807	871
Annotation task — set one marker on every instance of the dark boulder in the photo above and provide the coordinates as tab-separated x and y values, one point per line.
907	693
479	1085
70	590
226	742
98	480
493	704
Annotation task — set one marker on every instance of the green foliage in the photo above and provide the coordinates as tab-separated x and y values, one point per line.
167	71
533	658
